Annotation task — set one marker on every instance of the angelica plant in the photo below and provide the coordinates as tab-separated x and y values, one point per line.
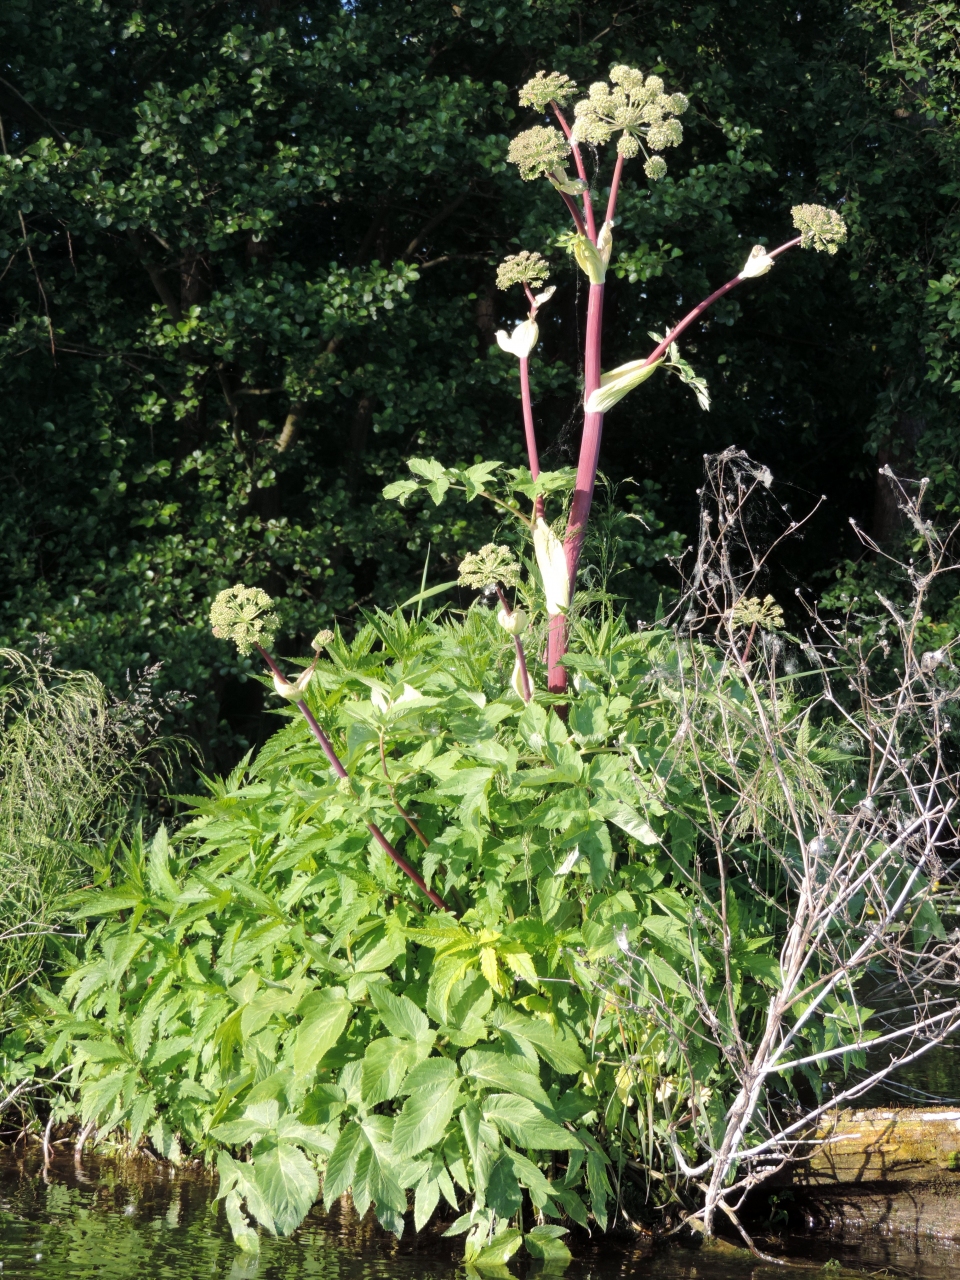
636	113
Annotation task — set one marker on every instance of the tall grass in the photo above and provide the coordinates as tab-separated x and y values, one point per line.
73	765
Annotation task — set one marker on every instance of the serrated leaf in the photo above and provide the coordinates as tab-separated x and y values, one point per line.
375	1182
428	468
288	1183
546	1243
158	868
400	490
399	1014
503	1193
98	1096
521	1120
342	1163
425	1200
627	819
244	1237
558	1046
325	1020
434	1088
385	1064
496	1254
504	1073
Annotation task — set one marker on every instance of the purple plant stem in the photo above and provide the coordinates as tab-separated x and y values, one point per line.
341	772
583	489
591	229
614	189
518	645
698	310
574	212
529	430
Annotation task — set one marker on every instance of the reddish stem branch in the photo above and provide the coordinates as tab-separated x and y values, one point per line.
614	189
698	310
396	803
341	772
591	230
574	212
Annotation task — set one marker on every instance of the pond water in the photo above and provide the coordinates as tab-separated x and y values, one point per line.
130	1222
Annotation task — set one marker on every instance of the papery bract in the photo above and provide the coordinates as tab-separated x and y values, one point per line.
615	384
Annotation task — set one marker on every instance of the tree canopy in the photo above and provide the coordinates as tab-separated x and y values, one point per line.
247	266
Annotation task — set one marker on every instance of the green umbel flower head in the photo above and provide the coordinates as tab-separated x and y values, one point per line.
538	151
244	615
489	565
752	611
655	168
820	228
523	268
547	87
321	640
636	108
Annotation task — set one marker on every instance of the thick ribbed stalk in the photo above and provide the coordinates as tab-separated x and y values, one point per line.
583	491
341	772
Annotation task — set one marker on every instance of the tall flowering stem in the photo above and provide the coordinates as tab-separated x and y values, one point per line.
644	115
637	111
337	767
589	459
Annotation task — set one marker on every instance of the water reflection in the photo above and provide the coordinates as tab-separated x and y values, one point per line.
135	1222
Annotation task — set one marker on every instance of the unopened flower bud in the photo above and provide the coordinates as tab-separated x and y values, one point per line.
758	264
561	181
605	242
516	681
521	342
615	384
293	691
589	259
515	624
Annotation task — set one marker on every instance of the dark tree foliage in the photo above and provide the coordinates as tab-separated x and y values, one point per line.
247	256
